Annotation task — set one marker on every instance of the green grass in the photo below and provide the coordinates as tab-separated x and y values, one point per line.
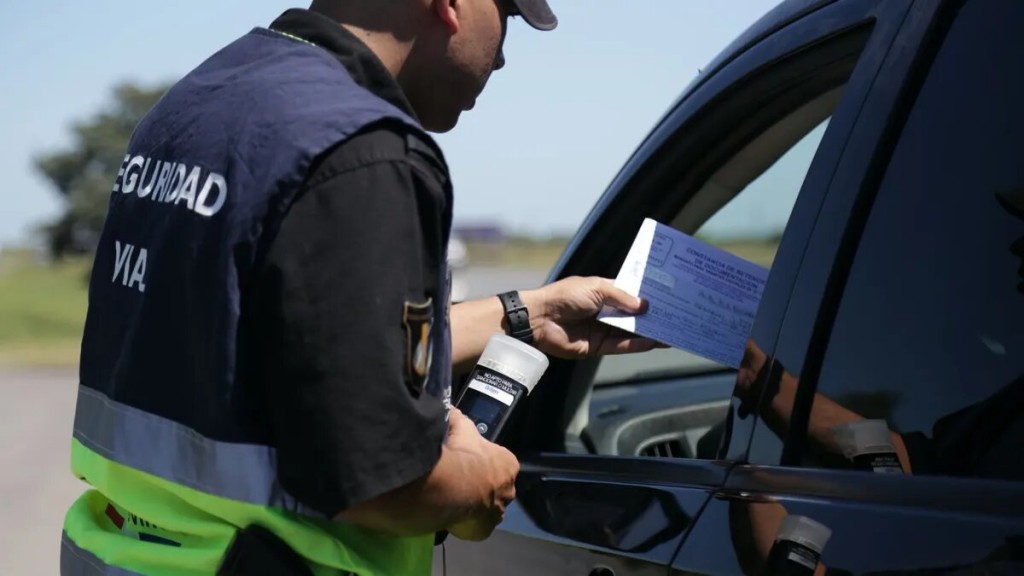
42	306
762	253
521	253
42	310
517	253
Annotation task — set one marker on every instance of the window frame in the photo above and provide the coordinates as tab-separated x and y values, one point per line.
818	290
540	427
861	202
692	219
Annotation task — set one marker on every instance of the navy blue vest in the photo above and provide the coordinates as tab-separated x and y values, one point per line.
207	178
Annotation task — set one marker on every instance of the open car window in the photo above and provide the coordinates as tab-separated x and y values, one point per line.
734	187
669	402
749	225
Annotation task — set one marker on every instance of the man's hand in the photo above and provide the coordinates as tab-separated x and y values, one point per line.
500	467
477	529
565	323
466	493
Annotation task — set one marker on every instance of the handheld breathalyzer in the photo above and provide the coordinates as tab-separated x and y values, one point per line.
506	372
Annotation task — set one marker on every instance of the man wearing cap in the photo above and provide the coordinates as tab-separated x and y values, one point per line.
265	377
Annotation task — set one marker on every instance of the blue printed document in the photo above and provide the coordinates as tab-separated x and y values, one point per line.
702	299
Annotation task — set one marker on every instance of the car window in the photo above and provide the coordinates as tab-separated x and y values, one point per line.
924	371
669	402
750	226
741	167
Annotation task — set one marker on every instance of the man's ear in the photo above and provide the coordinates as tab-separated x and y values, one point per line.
447	11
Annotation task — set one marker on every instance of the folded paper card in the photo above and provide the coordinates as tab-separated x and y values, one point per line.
702	299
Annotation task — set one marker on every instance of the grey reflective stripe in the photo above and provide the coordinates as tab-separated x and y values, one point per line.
178	454
75	561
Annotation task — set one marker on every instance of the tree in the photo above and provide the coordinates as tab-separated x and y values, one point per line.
84	173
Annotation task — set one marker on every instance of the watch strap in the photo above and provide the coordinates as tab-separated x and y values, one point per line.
516	316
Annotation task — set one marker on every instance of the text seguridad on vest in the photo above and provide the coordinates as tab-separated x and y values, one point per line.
172	183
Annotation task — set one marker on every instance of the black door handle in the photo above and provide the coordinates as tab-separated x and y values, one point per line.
602	571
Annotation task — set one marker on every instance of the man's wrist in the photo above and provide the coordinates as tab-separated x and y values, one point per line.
536	305
516	319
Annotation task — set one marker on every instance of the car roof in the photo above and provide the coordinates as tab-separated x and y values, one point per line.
778	17
783	14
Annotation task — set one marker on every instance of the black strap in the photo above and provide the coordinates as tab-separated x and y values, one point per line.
517	317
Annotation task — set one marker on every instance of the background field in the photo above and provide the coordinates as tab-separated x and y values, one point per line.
42	310
43	305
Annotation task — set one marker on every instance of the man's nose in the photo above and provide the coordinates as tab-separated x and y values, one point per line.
499	62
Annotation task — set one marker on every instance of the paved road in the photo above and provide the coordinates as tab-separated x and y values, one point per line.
477	282
36	413
35	480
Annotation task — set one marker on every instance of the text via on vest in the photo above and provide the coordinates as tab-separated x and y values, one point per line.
175	183
129	266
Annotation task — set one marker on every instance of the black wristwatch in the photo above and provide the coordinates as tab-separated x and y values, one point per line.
516	316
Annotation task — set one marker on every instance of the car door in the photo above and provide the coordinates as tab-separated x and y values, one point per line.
620	455
906	317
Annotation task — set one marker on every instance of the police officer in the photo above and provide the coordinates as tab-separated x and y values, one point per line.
267	357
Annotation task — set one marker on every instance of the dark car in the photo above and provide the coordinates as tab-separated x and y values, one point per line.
885	140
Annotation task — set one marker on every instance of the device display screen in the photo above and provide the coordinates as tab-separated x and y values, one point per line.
484	411
488	399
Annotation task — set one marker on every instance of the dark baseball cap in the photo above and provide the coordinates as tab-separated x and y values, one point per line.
537	13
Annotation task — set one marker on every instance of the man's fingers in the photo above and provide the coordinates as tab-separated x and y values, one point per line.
628	345
621	299
459	424
608	340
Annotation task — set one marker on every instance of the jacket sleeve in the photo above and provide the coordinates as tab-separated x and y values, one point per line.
360	248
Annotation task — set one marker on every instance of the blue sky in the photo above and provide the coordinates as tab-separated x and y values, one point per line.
551	130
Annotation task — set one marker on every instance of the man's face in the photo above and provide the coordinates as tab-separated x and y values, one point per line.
471	55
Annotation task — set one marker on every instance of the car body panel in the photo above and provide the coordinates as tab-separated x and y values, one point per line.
622	513
680	486
576	514
880	524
